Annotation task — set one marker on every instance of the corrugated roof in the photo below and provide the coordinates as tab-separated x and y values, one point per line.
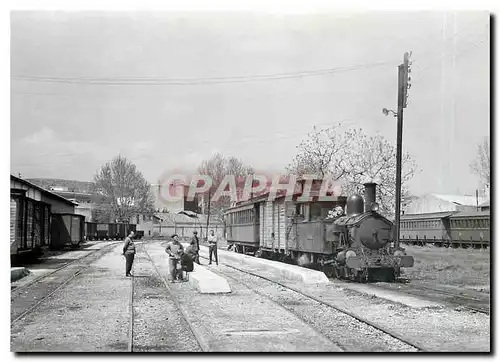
183	218
460	200
469	214
429	215
41	189
486	203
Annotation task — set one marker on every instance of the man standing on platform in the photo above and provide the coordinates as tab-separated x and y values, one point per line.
212	247
195	242
129	253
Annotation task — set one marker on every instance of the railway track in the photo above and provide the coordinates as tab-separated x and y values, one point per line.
201	343
23	304
131	322
359	319
16	290
477	303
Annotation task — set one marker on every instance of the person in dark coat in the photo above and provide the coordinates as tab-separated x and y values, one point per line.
129	253
187	259
196	246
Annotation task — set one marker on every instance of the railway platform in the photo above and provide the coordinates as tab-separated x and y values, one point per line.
286	272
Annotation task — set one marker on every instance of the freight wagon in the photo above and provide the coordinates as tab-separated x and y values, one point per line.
67	230
109	231
29	225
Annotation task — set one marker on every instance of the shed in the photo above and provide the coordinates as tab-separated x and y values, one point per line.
431	203
31	208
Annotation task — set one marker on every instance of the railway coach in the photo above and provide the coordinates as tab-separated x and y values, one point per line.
449	229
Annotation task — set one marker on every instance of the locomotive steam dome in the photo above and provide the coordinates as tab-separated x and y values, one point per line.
355	205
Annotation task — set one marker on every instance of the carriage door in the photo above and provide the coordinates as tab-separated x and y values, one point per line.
256	224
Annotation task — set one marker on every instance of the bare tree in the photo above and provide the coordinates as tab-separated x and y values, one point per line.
353	158
316	154
217	167
481	164
373	158
126	192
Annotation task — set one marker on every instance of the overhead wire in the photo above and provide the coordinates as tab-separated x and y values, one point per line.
212	80
201	81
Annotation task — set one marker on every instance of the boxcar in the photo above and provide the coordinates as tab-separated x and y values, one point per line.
29	225
102	231
67	230
298	229
91	231
108	231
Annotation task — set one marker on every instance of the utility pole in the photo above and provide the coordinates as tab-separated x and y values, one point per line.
403	86
477	200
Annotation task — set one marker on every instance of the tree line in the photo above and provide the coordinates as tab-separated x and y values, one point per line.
351	157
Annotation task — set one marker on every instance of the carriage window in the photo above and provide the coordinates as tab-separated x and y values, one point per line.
315	211
306	209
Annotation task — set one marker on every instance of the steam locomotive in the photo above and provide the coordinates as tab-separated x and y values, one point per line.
355	245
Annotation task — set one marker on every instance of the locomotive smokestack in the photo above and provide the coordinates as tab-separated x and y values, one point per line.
370	195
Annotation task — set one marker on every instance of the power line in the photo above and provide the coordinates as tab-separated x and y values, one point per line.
200	81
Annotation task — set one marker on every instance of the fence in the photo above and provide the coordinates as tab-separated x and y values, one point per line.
184	229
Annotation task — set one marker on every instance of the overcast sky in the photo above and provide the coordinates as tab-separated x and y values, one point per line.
67	130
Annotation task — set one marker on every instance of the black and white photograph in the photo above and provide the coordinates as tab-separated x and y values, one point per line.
250	181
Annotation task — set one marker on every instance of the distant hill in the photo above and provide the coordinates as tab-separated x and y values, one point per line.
64	185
